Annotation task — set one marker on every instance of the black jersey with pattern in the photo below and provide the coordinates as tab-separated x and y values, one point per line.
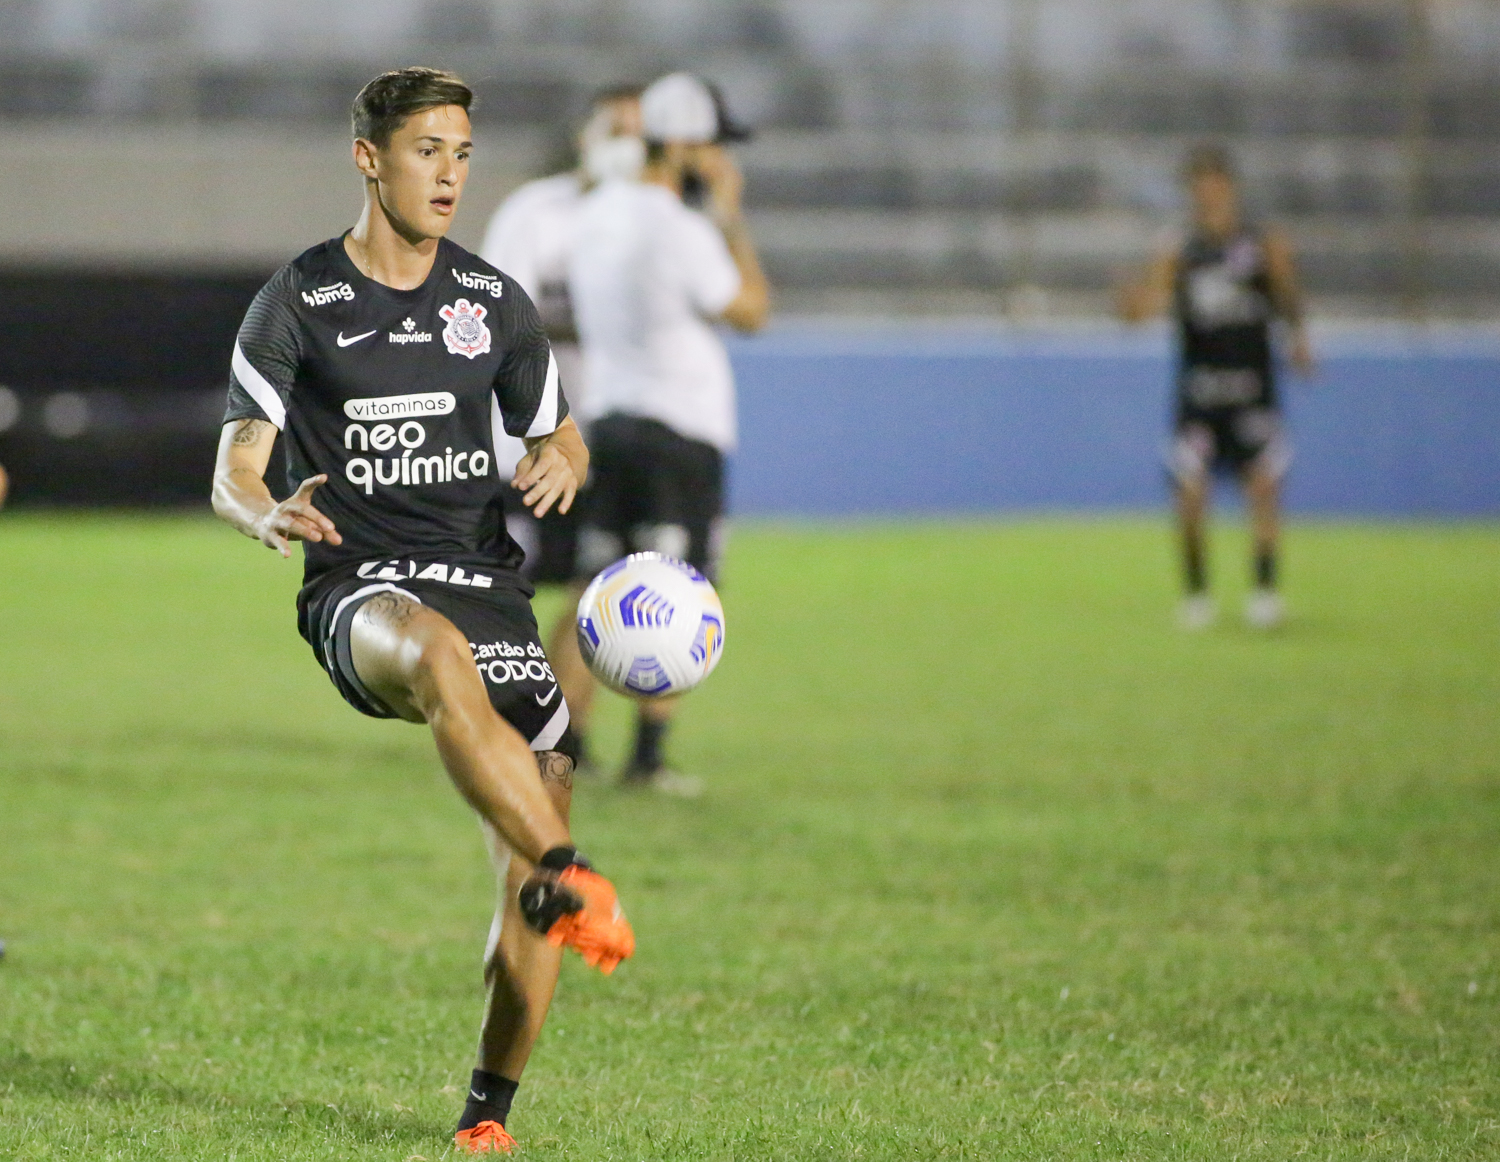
1222	304
398	396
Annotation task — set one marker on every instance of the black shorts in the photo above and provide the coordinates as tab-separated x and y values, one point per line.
1231	439
496	620
650	489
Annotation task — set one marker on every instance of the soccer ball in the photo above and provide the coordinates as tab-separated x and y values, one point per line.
650	624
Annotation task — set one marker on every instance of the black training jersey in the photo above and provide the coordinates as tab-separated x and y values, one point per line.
398	396
1222	303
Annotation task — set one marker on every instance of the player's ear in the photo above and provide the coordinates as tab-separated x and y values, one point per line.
364	157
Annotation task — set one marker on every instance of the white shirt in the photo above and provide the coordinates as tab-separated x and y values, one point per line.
647	273
530	238
530	235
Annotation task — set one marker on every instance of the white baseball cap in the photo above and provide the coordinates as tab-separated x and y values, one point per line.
680	107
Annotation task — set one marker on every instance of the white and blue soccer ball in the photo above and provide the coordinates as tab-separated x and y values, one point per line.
651	624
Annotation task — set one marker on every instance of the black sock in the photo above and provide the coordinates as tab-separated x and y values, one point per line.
1194	571
1265	568
490	1096
648	739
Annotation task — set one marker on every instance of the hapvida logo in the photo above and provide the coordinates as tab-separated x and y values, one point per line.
409	333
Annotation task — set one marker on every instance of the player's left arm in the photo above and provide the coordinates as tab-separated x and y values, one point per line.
1286	297
553	470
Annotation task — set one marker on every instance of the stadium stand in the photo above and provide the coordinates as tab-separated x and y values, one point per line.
968	156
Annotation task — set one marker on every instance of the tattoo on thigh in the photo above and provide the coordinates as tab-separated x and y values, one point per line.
394	609
555	767
249	432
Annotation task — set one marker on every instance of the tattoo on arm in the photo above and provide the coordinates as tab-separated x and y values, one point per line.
555	767
249	432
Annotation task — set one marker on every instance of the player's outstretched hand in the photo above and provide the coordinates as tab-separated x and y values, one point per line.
546	476
577	908
297	519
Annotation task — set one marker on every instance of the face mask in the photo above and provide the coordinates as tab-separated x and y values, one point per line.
620	158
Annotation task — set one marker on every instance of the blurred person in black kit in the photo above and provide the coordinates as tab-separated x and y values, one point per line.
650	278
1226	285
530	238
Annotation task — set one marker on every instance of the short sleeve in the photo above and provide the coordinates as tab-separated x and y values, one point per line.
705	264
527	393
266	353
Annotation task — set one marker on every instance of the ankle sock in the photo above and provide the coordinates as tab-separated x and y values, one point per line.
1195	573
490	1096
1265	568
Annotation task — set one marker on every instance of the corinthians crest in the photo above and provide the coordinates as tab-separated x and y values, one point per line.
465	333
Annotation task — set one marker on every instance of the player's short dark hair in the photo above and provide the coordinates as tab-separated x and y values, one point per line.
387	101
1209	157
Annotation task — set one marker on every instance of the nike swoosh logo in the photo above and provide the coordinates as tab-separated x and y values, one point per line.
354	338
540	701
479	1096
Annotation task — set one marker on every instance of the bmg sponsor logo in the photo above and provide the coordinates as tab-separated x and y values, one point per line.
473	281
333	293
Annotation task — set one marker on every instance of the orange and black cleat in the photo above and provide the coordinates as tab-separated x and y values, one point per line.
577	908
485	1138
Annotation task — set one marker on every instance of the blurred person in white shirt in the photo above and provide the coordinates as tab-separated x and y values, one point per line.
530	238
650	277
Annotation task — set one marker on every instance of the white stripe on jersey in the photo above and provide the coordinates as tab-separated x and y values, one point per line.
545	422
508	449
259	387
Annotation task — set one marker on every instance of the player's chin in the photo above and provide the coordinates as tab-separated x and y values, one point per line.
437	217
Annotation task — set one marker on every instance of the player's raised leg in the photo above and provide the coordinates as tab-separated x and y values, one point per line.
419	665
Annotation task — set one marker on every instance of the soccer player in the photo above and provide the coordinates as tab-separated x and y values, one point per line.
1225	286
530	238
649	278
389	358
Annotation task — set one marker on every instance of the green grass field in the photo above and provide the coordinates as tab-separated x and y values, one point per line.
994	864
